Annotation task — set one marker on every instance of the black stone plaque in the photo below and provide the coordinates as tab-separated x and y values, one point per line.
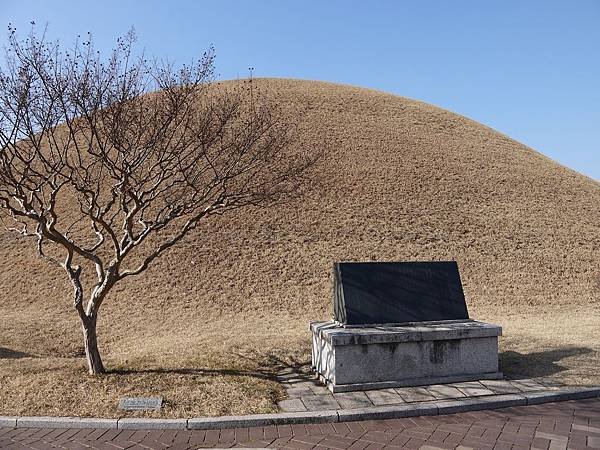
140	403
397	292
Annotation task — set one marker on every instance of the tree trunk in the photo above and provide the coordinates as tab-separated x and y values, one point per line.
92	355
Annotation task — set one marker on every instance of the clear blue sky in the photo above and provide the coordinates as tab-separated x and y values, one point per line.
530	69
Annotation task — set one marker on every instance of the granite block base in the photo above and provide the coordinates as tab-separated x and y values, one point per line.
359	358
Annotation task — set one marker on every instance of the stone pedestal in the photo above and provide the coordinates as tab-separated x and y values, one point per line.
375	357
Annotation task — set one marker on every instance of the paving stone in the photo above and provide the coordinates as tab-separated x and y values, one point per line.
383	397
320	402
442	391
527	385
292	405
551	436
284	431
415	394
297	392
594	441
270	432
350	400
501	386
586	428
319	389
336	442
472	388
549	382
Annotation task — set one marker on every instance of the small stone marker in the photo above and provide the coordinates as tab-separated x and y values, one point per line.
140	403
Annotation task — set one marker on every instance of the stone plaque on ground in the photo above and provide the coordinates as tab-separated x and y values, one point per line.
140	403
397	292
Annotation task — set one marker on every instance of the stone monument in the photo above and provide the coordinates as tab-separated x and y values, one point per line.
401	324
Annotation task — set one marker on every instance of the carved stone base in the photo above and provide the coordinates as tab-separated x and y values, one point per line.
350	359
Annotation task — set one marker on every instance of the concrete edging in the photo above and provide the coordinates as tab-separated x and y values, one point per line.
8	421
262	420
132	423
343	415
65	422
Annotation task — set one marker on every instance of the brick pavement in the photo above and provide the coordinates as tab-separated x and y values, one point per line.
573	425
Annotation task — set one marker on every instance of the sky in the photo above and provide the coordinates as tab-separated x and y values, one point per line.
529	69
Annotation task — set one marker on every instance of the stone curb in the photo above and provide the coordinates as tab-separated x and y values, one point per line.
561	395
152	424
261	420
8	421
480	403
65	422
388	412
343	415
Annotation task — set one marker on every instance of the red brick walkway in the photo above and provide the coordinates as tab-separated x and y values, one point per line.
573	425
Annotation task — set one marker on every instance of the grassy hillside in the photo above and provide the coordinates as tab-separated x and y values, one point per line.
404	181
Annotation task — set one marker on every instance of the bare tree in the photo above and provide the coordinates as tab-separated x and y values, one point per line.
101	160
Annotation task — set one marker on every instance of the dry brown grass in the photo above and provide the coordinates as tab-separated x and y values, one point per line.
207	326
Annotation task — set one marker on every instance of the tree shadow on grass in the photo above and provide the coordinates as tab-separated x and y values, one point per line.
271	367
7	353
538	364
